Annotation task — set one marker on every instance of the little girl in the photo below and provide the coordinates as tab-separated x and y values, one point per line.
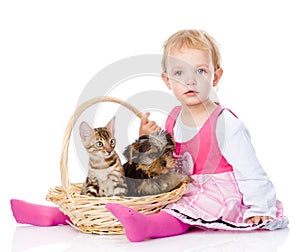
230	191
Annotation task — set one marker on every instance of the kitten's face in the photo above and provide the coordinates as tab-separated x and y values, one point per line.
99	141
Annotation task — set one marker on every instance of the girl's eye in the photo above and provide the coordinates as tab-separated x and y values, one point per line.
201	71
178	73
99	144
112	141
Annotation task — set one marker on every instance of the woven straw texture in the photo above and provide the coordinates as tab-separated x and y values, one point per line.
88	214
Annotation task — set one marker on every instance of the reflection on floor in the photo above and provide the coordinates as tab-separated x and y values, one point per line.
65	238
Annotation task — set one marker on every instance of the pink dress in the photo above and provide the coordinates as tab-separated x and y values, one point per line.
213	200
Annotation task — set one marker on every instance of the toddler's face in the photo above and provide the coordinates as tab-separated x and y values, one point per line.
190	75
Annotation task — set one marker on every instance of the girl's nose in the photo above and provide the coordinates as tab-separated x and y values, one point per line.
191	80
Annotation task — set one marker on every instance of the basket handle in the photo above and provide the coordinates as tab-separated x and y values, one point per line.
65	146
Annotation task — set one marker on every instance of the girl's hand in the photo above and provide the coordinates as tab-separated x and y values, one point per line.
258	219
146	126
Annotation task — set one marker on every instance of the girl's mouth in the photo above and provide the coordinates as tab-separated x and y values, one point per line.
191	93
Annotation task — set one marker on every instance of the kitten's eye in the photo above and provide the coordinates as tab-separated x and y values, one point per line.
99	144
113	141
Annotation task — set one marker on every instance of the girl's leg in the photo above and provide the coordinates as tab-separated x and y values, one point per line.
37	215
138	227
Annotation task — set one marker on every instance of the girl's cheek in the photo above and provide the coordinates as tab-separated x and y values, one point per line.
175	85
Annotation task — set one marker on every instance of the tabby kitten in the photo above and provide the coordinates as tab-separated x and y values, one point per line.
105	171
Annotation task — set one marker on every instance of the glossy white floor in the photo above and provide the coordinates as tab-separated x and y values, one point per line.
17	238
65	238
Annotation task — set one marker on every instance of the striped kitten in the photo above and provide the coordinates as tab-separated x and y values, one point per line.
105	172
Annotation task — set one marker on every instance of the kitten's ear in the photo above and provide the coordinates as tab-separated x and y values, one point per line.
85	130
111	125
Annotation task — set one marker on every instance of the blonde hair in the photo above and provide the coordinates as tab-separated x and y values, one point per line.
194	39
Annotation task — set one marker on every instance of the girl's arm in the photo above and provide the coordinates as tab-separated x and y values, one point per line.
257	189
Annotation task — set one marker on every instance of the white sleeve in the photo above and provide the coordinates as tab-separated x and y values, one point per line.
235	145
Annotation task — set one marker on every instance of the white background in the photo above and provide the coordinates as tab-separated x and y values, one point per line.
51	49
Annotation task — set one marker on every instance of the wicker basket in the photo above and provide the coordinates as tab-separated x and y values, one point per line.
88	214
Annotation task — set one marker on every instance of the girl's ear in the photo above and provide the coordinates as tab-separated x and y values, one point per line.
111	125
217	76
85	130
166	80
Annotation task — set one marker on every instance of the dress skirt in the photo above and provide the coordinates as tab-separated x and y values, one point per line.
213	201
